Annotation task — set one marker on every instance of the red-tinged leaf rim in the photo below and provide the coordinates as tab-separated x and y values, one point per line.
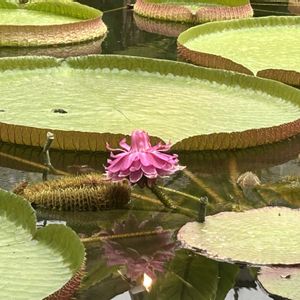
78	139
170	29
202	11
265	236
44	259
88	27
221	61
283	282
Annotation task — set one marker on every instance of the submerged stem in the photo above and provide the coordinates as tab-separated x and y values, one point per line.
46	155
202	209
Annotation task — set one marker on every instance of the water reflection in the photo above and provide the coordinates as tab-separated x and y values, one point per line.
211	173
145	254
294	7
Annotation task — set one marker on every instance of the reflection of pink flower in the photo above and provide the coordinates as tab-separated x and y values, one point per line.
141	160
140	255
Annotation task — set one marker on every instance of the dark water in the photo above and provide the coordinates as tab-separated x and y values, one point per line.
212	174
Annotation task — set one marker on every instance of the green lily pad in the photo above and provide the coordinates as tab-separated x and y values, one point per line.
101	100
48	23
194	11
283	282
35	263
266	236
253	46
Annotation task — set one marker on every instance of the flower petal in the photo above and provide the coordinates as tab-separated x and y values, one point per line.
134	177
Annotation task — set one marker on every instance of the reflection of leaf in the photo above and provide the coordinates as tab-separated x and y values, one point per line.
227	275
191	276
106	289
99	271
284	192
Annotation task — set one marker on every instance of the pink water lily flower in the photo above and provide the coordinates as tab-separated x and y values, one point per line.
141	161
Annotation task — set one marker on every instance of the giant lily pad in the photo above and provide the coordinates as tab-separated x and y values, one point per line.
194	11
89	101
266	236
48	23
283	282
35	263
250	46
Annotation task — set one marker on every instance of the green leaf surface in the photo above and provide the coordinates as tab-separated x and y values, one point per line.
45	13
252	44
283	282
48	22
34	263
107	105
266	236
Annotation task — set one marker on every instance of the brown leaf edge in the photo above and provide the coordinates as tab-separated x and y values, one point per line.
179	13
70	288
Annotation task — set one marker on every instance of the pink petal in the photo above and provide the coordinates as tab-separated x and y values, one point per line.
123	162
135	176
112	149
124	145
136	165
149	171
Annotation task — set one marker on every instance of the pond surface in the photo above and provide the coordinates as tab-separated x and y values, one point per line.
178	274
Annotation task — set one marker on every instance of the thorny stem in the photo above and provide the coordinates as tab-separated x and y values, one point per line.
124	235
179	193
181	210
167	202
164	199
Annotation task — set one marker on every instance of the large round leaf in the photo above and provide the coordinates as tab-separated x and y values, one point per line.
248	46
263	236
97	99
34	263
48	22
194	11
284	282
